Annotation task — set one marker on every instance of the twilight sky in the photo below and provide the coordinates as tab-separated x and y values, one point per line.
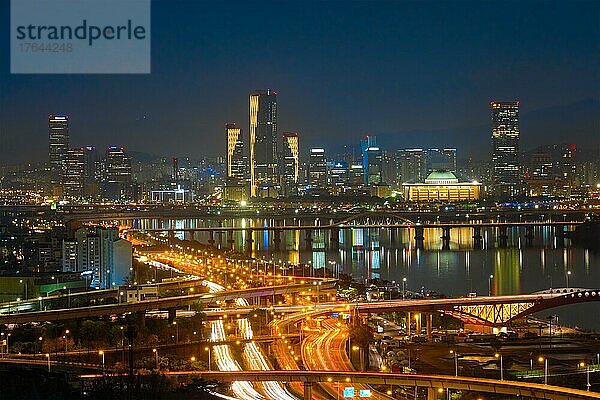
413	73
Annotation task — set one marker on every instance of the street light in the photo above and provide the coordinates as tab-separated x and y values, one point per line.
497	355
587	374
48	358
545	361
155	351
207	348
455	362
101	354
490	279
568	276
403	288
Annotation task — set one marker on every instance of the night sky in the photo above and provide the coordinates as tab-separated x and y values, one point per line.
413	73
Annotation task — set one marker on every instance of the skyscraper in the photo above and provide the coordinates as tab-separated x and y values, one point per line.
74	173
291	162
235	155
58	142
365	143
505	140
118	184
263	140
317	169
374	166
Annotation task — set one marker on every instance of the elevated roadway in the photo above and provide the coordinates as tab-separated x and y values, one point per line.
157	304
432	382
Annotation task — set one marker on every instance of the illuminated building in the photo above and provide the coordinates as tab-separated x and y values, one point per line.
100	252
235	155
356	175
74	173
263	141
374	171
317	169
441	186
291	162
365	143
412	165
58	142
118	183
338	173
505	141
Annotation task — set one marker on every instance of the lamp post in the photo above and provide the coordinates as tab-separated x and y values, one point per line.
490	279
455	362
207	348
403	288
155	351
101	354
587	374
545	361
48	358
497	355
568	275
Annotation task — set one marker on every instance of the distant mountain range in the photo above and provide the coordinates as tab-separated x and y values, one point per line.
577	123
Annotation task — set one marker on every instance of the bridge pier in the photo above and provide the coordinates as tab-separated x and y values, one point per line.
307	390
429	326
559	233
249	241
140	318
211	238
432	393
418	327
277	240
419	237
477	238
308	239
334	239
172	315
230	240
529	236
503	236
220	238
446	238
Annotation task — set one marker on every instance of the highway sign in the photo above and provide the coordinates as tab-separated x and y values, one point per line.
349	392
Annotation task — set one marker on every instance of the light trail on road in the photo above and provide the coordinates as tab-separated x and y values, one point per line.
325	350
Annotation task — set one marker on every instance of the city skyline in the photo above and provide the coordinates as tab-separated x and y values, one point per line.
411	101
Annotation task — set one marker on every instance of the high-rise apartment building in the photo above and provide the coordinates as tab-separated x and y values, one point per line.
117	170
317	169
263	140
374	171
74	173
236	171
291	161
505	140
101	253
58	142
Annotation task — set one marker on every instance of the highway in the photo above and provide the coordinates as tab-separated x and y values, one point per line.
325	350
432	382
158	304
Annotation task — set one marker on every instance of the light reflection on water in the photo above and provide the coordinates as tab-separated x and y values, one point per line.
520	267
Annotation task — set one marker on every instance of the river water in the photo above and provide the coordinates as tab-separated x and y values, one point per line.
517	268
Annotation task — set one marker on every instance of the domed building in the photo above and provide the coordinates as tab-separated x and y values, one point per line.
441	186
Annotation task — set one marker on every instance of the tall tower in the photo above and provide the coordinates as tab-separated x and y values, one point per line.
291	162
505	140
74	173
235	154
263	139
58	142
317	169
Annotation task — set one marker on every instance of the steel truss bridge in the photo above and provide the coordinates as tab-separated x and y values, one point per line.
489	310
